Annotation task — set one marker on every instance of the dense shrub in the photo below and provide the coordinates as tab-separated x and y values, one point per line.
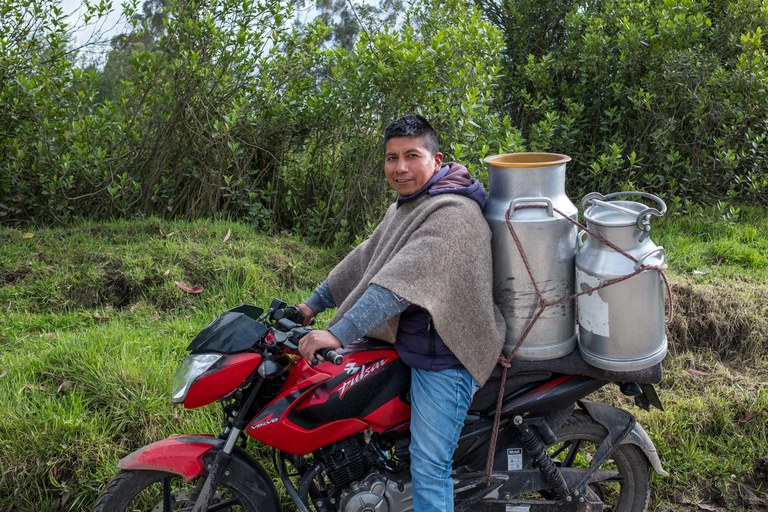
664	96
224	109
441	62
219	107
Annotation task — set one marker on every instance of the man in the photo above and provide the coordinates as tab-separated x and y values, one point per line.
422	281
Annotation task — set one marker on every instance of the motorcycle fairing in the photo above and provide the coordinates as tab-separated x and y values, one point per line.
233	331
221	379
326	403
551	395
361	393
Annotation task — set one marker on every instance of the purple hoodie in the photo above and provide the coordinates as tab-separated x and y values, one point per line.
451	178
418	343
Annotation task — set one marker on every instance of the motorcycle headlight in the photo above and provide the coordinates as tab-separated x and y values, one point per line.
193	366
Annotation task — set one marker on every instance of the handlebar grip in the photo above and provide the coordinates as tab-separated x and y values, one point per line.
292	313
329	355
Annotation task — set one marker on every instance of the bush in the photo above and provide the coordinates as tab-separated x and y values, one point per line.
442	62
667	97
210	108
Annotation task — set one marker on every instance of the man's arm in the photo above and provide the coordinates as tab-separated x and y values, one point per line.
320	300
373	308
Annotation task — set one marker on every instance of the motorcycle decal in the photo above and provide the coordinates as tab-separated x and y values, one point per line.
360	373
276	409
514	459
377	384
266	421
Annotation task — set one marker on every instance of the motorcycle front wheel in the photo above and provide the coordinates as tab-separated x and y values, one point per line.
628	489
159	491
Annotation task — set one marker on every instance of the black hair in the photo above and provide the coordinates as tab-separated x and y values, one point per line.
413	125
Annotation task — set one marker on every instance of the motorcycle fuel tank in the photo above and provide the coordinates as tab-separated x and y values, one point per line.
326	403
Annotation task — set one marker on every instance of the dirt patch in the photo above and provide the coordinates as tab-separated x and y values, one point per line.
752	488
13	276
729	318
112	289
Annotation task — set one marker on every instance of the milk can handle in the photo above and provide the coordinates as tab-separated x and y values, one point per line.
647	211
643	217
581	238
518	200
642	258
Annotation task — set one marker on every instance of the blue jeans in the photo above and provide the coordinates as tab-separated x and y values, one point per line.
439	403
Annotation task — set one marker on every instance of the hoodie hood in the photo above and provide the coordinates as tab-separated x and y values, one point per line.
451	178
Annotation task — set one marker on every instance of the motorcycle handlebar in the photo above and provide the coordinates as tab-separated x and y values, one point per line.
294	332
291	313
329	355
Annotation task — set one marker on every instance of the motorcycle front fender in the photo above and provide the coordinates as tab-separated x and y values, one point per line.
189	456
611	418
182	455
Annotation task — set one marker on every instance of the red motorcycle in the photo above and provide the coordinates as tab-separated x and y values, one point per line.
338	433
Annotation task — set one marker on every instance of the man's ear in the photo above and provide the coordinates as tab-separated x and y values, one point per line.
438	160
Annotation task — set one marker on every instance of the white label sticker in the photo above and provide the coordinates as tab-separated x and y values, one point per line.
517	508
593	310
514	459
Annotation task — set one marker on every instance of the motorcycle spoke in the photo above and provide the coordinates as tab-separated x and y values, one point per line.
570	458
573	448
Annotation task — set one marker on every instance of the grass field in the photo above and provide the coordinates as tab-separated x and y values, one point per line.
93	324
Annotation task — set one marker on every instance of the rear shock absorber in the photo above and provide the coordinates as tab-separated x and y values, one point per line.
537	451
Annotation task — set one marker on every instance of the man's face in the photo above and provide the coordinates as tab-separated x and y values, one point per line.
408	165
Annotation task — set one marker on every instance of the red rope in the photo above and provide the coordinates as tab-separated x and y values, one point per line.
505	362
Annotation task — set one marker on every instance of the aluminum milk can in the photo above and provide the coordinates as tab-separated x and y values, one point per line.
621	326
517	180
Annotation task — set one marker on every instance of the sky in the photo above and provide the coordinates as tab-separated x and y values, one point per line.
93	37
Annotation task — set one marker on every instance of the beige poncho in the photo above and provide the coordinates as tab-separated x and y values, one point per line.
435	252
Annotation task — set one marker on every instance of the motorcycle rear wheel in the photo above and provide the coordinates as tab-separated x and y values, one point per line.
629	490
158	491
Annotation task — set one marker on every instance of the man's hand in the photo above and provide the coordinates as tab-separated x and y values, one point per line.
307	312
316	341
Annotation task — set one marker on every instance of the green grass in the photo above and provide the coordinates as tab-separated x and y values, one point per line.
92	329
713	435
78	391
707	244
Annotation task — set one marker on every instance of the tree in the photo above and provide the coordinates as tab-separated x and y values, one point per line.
346	19
661	96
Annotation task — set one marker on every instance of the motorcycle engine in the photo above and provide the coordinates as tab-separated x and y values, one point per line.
376	493
356	469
